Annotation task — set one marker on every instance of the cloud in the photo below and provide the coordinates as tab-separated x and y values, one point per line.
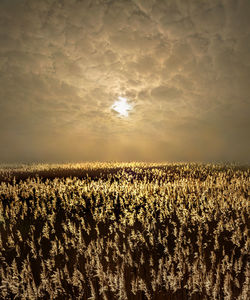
165	93
184	65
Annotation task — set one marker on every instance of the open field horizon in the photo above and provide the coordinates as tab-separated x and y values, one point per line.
81	169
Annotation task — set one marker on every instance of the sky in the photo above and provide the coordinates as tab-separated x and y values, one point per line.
181	68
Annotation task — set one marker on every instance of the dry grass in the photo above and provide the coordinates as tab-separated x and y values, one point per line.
124	231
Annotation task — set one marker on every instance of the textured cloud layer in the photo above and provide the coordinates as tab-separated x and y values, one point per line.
184	65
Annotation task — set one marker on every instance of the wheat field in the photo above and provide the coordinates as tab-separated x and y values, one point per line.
124	231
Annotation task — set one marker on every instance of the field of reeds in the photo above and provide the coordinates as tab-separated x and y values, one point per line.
124	231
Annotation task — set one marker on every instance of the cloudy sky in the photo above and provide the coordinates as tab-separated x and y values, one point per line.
183	67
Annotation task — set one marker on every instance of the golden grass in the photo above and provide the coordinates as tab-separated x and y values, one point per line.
124	231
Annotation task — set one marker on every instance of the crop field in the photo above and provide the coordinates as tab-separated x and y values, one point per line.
124	231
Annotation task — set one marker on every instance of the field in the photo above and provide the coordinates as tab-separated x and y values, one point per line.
124	231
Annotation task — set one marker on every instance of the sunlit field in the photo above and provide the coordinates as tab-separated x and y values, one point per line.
124	231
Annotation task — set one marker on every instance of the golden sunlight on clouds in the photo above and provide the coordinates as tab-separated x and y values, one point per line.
184	66
122	107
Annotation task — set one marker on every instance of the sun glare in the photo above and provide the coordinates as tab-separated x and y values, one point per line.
122	106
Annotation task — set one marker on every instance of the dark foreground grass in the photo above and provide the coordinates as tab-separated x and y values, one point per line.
172	231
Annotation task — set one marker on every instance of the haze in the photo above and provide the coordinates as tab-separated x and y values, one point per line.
183	66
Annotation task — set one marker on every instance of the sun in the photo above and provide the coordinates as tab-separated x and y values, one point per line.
122	106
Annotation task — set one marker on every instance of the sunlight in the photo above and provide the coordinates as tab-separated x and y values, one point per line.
122	106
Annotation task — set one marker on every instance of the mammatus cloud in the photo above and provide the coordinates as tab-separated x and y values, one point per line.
184	65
